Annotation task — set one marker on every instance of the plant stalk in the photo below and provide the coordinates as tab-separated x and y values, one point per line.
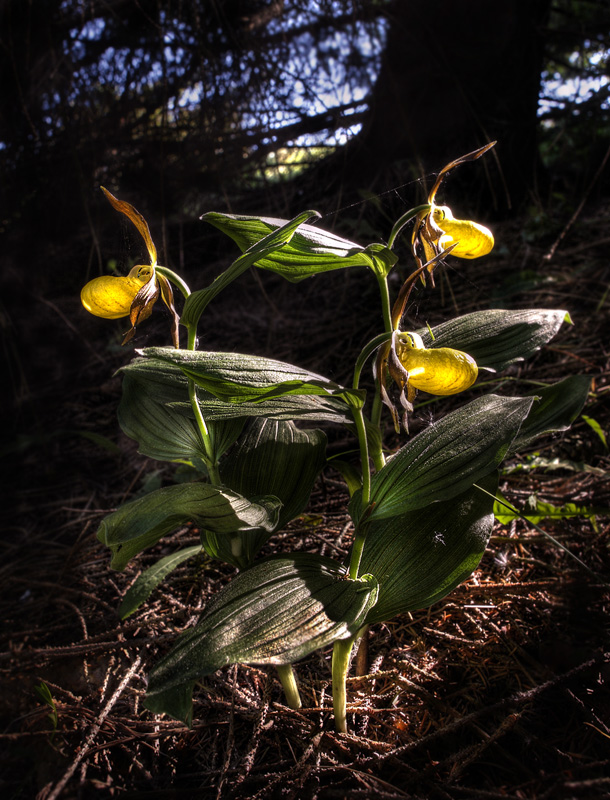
206	439
342	650
174	278
289	683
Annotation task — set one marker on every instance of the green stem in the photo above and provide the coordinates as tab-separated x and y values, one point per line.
342	650
204	433
288	679
376	411
384	292
364	455
174	278
191	337
361	527
206	439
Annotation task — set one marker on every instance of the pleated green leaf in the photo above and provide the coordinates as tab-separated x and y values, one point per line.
168	384
420	556
270	242
142	522
310	251
279	459
239	378
148	581
554	409
271	458
497	338
276	612
446	458
166	430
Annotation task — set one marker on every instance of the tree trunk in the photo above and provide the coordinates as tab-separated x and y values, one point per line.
455	76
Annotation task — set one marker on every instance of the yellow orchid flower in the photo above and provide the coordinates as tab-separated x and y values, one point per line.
437	231
440	371
133	296
471	240
111	297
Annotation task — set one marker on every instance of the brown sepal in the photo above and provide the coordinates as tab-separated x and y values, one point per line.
141	308
167	295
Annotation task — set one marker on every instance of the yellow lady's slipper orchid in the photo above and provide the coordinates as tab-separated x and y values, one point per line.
439	371
133	296
110	296
471	239
436	229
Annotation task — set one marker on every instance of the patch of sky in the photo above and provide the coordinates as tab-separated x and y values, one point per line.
306	77
559	90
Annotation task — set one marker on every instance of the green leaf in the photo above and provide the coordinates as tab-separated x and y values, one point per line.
168	384
382	259
271	241
497	338
142	522
239	378
148	581
272	458
419	556
555	408
447	457
536	511
310	251
166	430
44	693
595	426
276	612
350	474
534	461
276	458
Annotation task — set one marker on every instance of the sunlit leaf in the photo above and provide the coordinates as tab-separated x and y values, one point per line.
555	408
276	612
497	338
142	522
536	511
148	581
595	426
272	240
168	384
419	556
311	250
447	457
238	378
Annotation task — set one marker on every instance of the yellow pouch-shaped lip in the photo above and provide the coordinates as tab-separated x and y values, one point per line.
110	296
473	240
440	371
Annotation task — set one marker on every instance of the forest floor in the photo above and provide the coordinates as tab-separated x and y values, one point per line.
501	690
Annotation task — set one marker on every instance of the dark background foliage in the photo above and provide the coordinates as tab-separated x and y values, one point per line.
274	106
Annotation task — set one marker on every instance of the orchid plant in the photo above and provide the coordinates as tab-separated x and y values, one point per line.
422	515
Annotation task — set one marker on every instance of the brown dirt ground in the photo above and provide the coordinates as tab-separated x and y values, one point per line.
499	691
